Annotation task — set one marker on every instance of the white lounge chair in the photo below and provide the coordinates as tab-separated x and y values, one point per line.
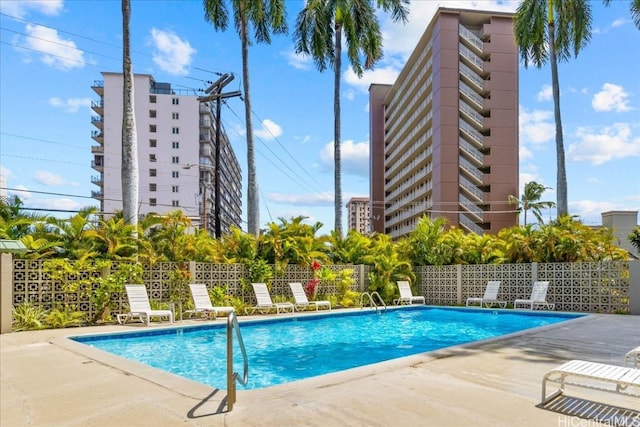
633	357
406	295
264	303
302	302
139	306
202	302
538	298
490	297
600	376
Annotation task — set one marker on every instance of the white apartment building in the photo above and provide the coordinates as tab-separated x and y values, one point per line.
176	153
358	212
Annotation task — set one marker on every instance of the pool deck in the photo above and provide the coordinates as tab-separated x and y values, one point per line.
48	380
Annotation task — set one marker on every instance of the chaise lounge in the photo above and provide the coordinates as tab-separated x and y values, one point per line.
202	302
140	307
406	295
264	303
490	297
302	302
599	376
537	299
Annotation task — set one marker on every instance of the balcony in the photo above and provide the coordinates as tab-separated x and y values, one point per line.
471	114
474	41
470	76
98	107
471	151
97	180
471	58
97	149
98	164
99	195
97	136
98	121
98	87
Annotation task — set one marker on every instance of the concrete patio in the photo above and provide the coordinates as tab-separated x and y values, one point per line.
48	380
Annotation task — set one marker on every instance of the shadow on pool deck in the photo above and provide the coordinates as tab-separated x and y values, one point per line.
48	380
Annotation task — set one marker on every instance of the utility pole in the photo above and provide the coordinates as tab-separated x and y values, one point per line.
215	93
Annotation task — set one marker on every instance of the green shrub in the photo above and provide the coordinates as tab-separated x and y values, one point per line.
28	316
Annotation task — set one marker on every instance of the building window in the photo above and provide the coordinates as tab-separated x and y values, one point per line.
175	116
152	128
175	159
153	187
175	203
175	101
175	130
152	114
153	172
175	144
152	99
175	174
174	188
153	143
152	157
152	202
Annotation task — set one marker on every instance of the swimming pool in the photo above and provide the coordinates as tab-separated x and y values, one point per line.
285	349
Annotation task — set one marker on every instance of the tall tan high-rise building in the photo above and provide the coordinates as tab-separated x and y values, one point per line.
176	153
444	136
358	213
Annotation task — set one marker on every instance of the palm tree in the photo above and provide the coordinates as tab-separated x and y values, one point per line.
634	8
548	30
530	200
319	29
129	170
265	16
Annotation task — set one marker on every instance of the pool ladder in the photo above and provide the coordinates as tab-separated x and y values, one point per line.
372	297
232	377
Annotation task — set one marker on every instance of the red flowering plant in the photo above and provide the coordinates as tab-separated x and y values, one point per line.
312	286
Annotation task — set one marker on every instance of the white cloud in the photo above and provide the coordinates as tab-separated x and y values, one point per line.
298	61
309	199
354	157
71	105
589	211
171	53
383	75
270	130
525	153
536	127
613	142
55	51
545	94
48	178
620	22
20	9
611	97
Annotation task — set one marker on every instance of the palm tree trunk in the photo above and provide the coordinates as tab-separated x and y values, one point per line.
561	174
336	131
129	172
253	213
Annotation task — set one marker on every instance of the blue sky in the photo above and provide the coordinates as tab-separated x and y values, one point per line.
52	51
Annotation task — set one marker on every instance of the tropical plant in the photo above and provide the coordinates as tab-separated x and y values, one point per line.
258	271
549	30
422	245
70	235
130	169
64	316
634	238
387	267
178	283
530	200
345	296
265	16
348	250
320	26
28	316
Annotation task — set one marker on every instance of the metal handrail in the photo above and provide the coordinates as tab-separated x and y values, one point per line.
232	377
373	303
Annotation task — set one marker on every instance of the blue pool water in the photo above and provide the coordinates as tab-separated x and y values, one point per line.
282	350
